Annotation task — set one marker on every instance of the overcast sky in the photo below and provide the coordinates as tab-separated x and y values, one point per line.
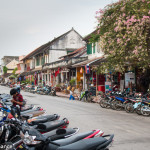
27	24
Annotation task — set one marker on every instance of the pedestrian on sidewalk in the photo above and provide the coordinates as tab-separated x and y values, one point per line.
71	95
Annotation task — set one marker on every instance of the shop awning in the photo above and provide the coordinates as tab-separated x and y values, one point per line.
23	74
91	62
97	62
37	69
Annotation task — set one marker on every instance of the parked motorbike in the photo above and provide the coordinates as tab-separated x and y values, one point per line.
84	141
107	101
12	128
85	96
53	91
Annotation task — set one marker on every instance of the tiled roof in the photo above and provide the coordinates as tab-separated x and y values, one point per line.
75	53
45	46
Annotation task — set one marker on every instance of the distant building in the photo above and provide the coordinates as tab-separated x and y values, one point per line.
20	65
6	60
11	66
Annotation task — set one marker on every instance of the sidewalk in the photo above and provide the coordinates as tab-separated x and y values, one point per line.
61	94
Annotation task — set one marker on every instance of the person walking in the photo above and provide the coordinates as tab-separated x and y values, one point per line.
71	95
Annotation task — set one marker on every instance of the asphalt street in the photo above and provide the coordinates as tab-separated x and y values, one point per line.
132	132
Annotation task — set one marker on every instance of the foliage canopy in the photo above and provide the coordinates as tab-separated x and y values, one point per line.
123	33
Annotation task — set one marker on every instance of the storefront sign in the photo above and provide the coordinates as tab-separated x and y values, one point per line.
121	85
107	87
129	77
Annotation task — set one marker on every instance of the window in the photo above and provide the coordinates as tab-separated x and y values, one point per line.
43	60
37	61
94	45
89	48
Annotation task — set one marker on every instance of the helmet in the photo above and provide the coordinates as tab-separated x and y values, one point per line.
18	89
13	91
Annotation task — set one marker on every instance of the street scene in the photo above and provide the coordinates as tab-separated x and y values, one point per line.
131	130
75	75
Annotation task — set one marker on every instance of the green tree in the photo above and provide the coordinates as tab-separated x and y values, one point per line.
14	71
123	33
5	69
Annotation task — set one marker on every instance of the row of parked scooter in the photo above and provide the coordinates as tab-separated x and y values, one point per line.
135	102
43	90
32	129
46	90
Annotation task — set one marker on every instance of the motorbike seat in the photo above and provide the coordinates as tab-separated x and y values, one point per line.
73	139
60	133
24	109
85	144
120	98
26	116
48	126
146	101
43	119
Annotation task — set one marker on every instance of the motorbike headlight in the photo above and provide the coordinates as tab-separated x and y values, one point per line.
6	135
29	140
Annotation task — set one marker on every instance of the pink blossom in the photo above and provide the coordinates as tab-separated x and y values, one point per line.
118	40
149	12
140	47
97	12
116	28
101	11
145	17
124	15
135	52
98	31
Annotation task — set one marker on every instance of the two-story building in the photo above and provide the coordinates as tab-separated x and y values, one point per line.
48	55
85	69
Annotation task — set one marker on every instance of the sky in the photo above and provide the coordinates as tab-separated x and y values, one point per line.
28	24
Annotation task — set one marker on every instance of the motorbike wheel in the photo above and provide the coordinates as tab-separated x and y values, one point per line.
144	113
138	110
129	108
112	104
117	105
102	103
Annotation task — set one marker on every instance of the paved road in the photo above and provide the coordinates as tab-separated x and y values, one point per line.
132	132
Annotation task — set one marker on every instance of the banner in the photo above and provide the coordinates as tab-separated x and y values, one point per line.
57	72
87	69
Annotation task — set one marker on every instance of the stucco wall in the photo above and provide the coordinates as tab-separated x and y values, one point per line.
12	64
71	41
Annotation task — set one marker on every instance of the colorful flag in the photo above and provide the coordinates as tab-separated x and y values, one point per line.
87	69
57	72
